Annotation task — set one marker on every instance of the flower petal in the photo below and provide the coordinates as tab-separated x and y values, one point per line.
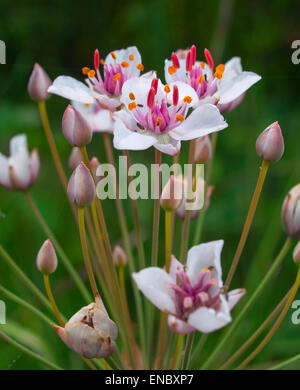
155	285
179	75
4	172
174	267
71	89
234	296
125	139
124	55
183	91
204	120
172	148
204	256
178	326
17	143
99	119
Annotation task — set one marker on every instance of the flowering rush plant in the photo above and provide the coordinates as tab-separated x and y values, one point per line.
141	310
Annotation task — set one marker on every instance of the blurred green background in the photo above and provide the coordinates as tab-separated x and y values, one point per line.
61	36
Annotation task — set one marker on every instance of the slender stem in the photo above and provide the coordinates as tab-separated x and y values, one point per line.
284	250
188	350
278	322
161	341
176	356
199	347
52	300
285	363
156	214
25	279
251	339
248	222
30	353
67	263
85	252
168	216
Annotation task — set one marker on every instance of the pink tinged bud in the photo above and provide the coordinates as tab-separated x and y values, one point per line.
46	260
96	169
34	166
193	50
119	256
175	61
38	84
291	212
151	97
203	150
209	58
172	194
90	332
175	95
296	254
154	84
270	143
75	158
76	128
96	59
81	187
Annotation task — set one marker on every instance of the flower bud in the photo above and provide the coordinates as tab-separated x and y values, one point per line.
75	158
76	129
38	84
119	256
270	143
203	150
97	171
193	201
291	212
46	260
90	332
296	254
172	194
81	187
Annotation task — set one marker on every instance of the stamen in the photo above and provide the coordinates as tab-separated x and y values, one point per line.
117	76
158	121
85	70
172	70
87	105
131	96
220	68
218	75
180	117
113	54
175	95
151	97
202	64
209	58
200	79
124	64
131	106
140	67
131	57
187	99
187	302
92	73
154	84
102	62
96	59
167	89
175	61
189	64
193	50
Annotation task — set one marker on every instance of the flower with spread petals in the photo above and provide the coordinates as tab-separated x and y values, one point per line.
157	115
191	295
224	85
90	332
101	95
20	170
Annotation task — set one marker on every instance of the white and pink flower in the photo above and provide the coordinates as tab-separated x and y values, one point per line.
101	95
224	85
157	115
192	294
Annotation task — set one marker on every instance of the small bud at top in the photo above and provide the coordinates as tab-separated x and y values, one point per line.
75	158
81	187
172	194
291	212
46	260
270	143
76	128
203	150
119	256
38	84
296	254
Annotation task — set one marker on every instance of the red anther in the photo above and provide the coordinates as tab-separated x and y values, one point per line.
151	97
175	95
175	60
96	59
154	84
209	58
193	50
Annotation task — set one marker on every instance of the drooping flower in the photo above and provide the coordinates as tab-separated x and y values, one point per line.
192	295
224	85
157	115
101	96
20	170
90	332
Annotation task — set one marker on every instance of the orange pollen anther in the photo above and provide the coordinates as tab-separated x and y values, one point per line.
218	75
113	54
202	64
180	117
86	105
167	89
200	79
92	73
187	99
158	121
131	106
140	67
131	57
172	70
131	96
85	70
102	62
220	68
117	76
124	64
